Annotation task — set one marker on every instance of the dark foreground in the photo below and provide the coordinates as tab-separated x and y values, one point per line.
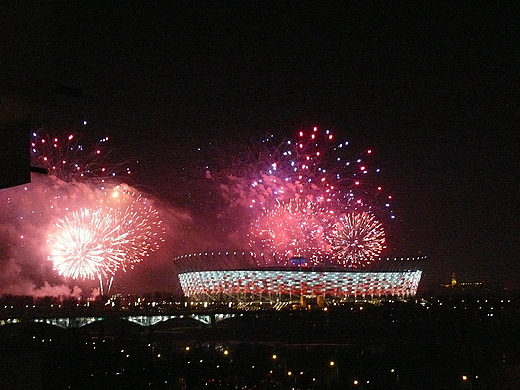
450	343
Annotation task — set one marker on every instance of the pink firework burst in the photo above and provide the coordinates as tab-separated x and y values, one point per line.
294	228
95	243
87	245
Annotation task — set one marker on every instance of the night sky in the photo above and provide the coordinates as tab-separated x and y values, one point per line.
433	90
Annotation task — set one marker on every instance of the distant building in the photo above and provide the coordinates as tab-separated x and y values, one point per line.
468	287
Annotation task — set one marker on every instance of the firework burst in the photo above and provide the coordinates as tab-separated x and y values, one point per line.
357	238
87	245
294	228
92	244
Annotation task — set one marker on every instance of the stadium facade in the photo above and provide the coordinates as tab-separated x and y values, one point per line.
230	277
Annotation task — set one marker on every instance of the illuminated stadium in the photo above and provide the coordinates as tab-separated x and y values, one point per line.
203	277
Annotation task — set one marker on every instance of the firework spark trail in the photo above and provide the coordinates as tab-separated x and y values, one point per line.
65	158
357	239
141	224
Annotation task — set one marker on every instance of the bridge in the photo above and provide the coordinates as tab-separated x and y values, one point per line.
143	320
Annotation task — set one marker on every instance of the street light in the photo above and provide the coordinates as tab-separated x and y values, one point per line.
275	357
396	374
333	364
467	379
